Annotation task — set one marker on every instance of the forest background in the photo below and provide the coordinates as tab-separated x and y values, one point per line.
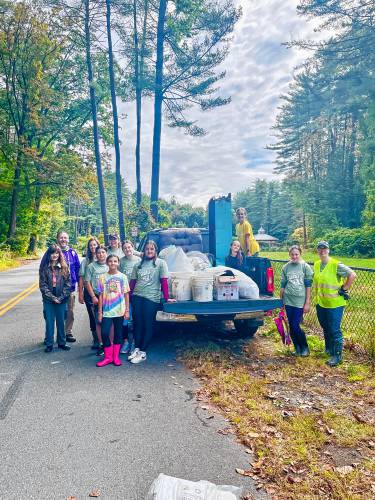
61	82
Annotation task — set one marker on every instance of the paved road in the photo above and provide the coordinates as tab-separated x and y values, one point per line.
67	427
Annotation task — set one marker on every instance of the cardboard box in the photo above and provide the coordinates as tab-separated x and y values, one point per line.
226	291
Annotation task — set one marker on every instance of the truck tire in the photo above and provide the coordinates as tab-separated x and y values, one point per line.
244	330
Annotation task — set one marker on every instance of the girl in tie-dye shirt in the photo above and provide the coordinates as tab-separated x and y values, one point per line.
113	309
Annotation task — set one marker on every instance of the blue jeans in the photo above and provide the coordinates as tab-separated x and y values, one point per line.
54	313
330	321
295	315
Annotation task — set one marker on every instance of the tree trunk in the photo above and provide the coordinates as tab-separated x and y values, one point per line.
94	113
33	236
14	201
120	203
158	104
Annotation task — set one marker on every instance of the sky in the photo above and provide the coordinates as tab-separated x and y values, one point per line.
233	153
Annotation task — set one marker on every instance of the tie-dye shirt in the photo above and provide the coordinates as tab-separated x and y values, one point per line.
113	288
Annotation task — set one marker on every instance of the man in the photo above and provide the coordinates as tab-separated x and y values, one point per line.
72	260
332	281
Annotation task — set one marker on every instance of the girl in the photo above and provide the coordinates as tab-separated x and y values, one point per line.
146	279
54	284
83	295
244	232
114	247
126	267
93	273
113	309
296	281
235	258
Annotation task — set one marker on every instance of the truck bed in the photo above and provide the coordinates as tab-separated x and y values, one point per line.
218	307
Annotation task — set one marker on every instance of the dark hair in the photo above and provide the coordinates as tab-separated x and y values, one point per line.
239	255
110	257
89	254
295	247
47	260
100	247
149	242
128	242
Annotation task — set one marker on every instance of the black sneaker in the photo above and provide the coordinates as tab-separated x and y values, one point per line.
49	348
100	351
64	347
70	338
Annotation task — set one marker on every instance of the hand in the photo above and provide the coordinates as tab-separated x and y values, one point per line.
80	298
100	316
126	315
306	308
95	300
171	300
56	300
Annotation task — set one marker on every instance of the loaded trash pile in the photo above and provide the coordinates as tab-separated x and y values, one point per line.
192	277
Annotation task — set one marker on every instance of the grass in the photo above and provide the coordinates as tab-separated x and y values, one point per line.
309	427
10	261
312	257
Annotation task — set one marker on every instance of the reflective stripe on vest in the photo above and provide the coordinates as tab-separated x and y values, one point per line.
326	284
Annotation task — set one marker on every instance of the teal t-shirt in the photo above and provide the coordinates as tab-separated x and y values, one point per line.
115	251
83	266
92	274
127	264
295	277
148	279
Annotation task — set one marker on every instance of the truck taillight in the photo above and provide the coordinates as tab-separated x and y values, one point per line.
270	287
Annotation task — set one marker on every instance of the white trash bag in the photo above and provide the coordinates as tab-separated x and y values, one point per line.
172	488
199	260
247	288
177	261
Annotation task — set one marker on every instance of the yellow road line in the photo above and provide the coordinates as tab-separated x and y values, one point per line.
16	299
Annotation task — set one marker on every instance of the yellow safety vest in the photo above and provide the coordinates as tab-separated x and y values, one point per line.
327	285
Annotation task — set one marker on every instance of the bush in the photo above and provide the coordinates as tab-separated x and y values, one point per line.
352	242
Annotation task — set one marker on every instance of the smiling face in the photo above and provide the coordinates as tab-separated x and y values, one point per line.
323	254
101	255
294	255
128	249
54	257
92	246
150	251
113	242
235	248
241	216
63	240
112	263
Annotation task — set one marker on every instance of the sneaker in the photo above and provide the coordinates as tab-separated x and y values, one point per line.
49	348
125	348
100	350
133	354
64	347
141	356
305	352
95	346
70	338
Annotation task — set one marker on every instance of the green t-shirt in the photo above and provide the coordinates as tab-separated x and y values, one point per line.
83	266
115	251
295	277
148	279
127	264
92	274
113	287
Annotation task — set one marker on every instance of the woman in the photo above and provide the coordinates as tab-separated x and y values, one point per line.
244	232
114	246
147	278
54	284
83	295
296	281
127	264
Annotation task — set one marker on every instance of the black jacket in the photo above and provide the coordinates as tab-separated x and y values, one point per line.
46	285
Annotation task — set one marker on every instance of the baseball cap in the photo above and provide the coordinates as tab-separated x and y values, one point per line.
113	236
322	244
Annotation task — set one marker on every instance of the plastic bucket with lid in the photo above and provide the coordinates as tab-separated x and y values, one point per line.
202	287
180	285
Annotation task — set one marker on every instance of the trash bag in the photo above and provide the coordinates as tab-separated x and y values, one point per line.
248	289
199	260
176	260
172	488
167	251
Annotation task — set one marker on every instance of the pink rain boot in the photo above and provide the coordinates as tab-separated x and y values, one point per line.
116	354
108	357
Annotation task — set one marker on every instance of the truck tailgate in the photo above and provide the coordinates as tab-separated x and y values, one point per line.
217	307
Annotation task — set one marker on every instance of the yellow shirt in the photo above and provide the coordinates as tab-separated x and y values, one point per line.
242	229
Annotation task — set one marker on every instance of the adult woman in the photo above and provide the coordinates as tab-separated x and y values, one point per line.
55	284
244	232
83	294
147	278
127	264
114	247
296	281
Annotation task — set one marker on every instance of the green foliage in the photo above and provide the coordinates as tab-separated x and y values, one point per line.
352	242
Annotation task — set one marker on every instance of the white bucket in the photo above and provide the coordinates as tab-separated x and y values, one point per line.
180	286
203	287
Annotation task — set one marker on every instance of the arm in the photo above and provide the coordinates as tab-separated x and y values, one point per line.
100	307
308	280
247	244
91	292
66	289
43	286
127	315
349	280
284	281
80	290
306	307
132	284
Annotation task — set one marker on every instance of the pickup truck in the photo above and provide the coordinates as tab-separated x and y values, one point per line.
247	314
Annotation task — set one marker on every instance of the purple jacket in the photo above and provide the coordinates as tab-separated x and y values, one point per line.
71	258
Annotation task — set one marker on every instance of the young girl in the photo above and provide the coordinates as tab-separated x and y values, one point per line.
296	281
83	294
127	264
235	258
113	309
146	279
244	232
93	273
54	284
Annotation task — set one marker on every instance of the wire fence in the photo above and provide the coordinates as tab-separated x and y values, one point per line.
359	318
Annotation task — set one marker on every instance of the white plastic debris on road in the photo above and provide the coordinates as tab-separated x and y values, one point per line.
172	488
248	289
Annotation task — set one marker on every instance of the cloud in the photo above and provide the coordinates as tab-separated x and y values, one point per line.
232	155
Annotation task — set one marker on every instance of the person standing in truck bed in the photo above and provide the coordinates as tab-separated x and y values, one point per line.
244	232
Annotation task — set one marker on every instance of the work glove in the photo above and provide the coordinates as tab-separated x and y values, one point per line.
344	293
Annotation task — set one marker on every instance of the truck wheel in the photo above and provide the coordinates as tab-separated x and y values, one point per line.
244	330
